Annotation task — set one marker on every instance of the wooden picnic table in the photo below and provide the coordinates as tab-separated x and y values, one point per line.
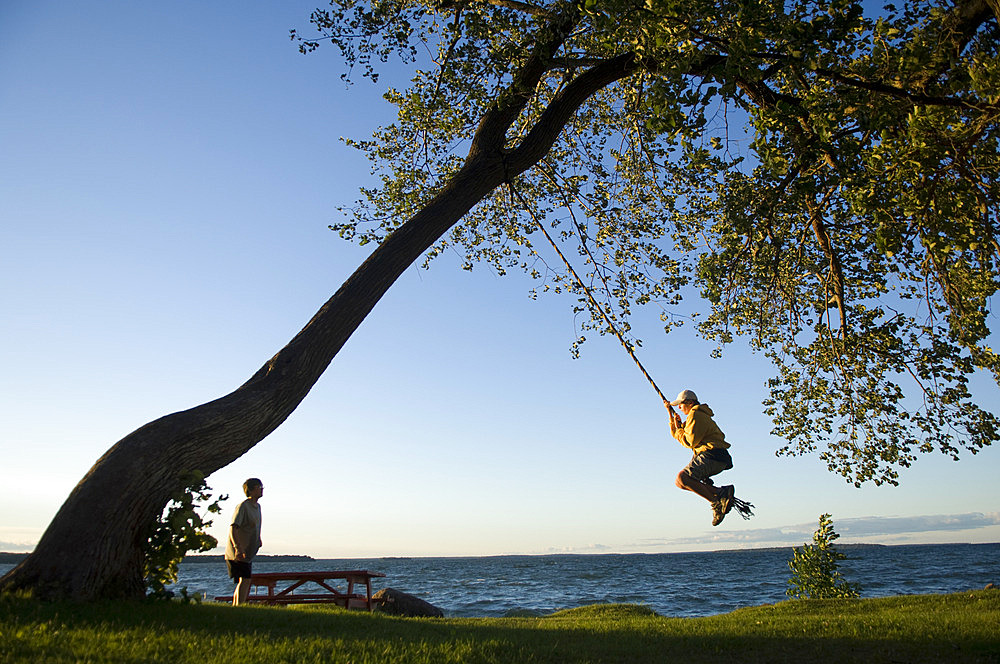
327	595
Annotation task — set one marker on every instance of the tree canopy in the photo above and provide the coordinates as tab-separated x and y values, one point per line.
826	181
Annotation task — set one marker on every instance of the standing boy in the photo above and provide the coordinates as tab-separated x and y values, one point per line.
244	539
701	434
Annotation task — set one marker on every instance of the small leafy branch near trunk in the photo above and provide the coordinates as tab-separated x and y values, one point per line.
177	531
814	567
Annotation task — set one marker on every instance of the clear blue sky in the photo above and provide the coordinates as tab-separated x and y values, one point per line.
167	175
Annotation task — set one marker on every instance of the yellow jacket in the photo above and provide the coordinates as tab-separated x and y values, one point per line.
700	432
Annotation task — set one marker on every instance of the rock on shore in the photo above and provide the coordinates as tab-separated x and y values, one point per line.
397	603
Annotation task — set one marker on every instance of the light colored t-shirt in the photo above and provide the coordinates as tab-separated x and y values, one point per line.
247	519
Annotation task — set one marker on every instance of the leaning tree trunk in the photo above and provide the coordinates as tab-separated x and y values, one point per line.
93	546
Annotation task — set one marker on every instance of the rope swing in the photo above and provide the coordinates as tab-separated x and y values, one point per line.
590	296
742	507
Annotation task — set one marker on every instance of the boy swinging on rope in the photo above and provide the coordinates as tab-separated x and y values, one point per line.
711	453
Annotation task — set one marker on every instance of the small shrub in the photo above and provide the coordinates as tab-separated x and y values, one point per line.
814	567
177	531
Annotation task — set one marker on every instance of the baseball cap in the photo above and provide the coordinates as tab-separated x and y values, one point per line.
685	395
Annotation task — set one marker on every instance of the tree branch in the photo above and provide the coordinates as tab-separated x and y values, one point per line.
491	133
555	116
836	271
903	93
516	5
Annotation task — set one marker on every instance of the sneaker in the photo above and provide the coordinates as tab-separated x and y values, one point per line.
718	513
726	495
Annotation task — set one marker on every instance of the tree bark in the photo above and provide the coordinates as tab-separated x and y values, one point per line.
93	546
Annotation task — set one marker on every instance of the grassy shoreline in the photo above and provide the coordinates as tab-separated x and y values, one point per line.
917	628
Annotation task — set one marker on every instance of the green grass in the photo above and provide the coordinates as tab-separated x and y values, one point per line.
963	627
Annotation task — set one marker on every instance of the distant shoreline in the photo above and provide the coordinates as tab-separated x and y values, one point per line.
218	557
10	558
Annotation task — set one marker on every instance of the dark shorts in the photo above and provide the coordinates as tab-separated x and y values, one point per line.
709	463
238	569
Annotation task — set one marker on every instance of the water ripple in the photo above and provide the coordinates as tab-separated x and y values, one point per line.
676	584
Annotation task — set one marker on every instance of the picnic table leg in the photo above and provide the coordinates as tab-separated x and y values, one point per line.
270	588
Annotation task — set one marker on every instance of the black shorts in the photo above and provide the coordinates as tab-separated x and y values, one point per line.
709	463
238	569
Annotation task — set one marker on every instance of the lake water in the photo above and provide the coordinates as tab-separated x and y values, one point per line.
672	584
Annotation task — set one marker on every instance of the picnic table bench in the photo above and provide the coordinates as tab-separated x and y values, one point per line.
327	594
